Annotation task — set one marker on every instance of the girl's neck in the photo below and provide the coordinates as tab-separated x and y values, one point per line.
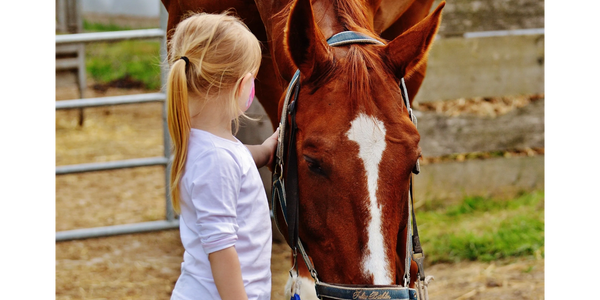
210	116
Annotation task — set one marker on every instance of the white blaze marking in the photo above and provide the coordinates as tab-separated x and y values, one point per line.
369	134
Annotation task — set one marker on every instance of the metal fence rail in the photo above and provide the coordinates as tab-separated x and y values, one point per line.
171	221
109	101
112	165
111	36
115	230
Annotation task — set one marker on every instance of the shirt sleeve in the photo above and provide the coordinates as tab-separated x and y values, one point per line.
215	190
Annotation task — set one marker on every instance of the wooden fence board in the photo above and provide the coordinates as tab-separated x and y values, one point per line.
496	177
461	16
484	67
518	129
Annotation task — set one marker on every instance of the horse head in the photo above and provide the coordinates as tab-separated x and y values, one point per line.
355	146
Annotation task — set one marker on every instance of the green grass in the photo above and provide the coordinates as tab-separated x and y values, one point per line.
98	27
483	229
136	59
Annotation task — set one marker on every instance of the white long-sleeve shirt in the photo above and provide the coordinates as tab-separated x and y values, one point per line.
223	204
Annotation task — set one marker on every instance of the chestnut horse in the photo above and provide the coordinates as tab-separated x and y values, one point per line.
355	143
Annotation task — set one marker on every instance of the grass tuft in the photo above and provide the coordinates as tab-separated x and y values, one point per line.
484	229
137	60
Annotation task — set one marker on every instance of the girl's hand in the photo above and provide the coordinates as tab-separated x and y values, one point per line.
270	145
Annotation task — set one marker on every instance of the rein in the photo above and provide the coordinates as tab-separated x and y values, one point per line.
285	193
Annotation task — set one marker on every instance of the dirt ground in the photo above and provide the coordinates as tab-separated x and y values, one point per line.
146	266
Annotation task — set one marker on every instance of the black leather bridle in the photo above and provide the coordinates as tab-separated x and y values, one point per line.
285	194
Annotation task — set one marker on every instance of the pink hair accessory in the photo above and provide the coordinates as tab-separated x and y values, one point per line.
251	98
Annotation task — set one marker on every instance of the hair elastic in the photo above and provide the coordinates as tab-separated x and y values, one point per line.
187	61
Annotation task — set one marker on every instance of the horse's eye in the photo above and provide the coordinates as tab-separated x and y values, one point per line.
314	165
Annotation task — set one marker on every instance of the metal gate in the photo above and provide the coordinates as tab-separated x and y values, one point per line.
171	220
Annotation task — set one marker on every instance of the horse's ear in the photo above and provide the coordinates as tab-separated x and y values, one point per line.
304	41
411	47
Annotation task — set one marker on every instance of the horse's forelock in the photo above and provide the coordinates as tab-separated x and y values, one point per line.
365	75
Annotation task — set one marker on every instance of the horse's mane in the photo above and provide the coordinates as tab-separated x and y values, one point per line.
362	60
353	16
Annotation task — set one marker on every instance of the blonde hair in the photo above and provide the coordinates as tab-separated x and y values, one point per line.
221	50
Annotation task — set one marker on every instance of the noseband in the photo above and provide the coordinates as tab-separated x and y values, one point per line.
285	192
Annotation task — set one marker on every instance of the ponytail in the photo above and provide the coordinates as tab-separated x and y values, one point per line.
218	50
178	119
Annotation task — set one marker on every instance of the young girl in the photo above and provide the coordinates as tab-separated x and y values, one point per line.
224	215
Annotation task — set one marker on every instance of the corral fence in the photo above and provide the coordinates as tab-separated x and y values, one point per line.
483	64
474	64
63	41
71	57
